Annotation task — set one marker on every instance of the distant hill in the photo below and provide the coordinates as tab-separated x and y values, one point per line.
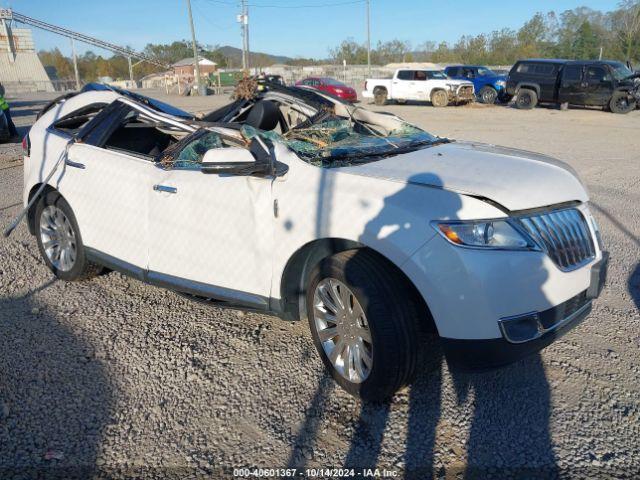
235	55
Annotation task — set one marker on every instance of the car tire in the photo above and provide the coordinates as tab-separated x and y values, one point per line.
439	98
621	102
488	95
526	99
387	334
59	240
380	96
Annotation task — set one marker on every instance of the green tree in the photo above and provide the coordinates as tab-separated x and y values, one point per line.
585	44
62	65
349	50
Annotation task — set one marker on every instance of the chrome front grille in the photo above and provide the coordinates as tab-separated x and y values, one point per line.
564	235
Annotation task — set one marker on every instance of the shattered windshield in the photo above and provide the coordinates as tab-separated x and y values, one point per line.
620	71
338	142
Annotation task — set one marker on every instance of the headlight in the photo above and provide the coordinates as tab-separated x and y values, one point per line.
496	234
501	83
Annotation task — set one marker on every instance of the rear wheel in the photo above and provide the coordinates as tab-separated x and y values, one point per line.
488	95
380	96
439	98
59	240
526	99
622	102
364	325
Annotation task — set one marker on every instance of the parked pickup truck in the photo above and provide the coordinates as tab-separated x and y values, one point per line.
425	85
608	84
489	85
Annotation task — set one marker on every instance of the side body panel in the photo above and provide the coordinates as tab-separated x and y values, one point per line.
571	89
391	217
108	195
47	145
402	89
215	229
598	85
372	83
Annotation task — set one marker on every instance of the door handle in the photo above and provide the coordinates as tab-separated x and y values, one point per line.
164	188
75	164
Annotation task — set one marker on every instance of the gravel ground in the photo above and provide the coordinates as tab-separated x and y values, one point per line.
117	377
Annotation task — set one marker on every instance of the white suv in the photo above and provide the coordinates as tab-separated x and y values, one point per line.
294	203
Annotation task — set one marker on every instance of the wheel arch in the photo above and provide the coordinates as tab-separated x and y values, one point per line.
31	214
526	85
296	272
380	88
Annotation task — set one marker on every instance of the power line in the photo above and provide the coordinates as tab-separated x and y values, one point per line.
321	5
208	20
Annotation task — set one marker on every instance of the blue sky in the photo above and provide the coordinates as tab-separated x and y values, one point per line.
287	31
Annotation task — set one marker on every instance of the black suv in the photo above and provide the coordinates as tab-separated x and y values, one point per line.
603	83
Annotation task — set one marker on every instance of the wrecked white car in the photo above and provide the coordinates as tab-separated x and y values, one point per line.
293	203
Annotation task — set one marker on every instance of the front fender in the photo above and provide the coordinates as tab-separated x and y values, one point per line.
390	217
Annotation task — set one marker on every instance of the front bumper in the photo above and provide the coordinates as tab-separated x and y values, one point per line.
464	93
523	335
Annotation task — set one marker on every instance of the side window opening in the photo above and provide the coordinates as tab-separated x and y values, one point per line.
596	74
573	73
189	152
405	75
142	136
72	123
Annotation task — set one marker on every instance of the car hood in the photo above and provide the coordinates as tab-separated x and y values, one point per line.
451	81
515	179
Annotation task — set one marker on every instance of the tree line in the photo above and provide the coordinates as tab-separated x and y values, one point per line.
92	67
581	33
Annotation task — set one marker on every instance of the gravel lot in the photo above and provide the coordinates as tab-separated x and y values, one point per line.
121	377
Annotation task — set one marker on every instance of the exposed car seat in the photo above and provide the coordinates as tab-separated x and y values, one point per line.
264	115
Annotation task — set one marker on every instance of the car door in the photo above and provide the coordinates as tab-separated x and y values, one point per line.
598	85
210	234
571	85
106	190
404	85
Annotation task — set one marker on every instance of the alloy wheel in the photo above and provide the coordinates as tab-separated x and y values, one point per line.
343	330
58	238
489	96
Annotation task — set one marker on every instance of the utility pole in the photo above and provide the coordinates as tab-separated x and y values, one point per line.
246	33
201	90
75	63
243	19
130	69
369	38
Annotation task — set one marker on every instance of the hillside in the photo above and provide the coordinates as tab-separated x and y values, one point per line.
235	55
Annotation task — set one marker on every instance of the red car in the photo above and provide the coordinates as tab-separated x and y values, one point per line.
332	86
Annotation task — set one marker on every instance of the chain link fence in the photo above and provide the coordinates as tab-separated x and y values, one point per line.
30	86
